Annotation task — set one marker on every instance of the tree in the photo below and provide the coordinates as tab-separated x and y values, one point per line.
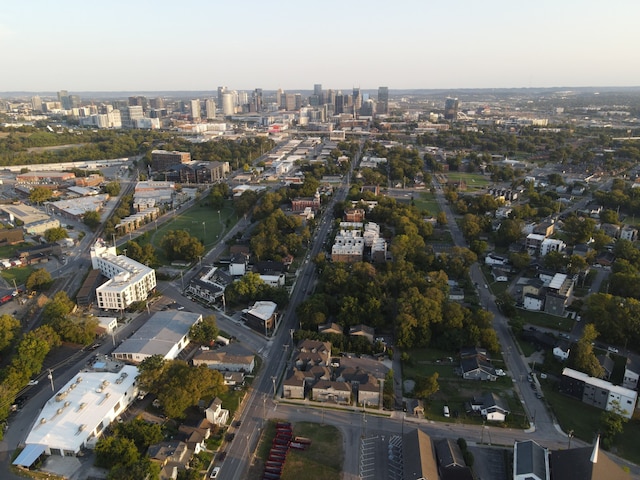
426	386
39	195
112	188
584	358
55	234
115	450
520	261
180	245
39	280
441	218
206	331
612	423
8	328
141	433
58	307
92	219
470	226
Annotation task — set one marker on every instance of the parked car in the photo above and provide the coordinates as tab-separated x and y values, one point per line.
33	382
612	349
215	472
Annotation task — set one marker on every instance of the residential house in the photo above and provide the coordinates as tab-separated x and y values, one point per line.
239	263
533	302
549	245
561	350
631	372
334	392
545	228
172	456
500	274
530	461
312	352
451	464
362	331
294	385
456	294
365	387
215	414
628	233
331	327
558	294
610	229
492	407
195	437
231	358
533	242
493	259
597	392
476	366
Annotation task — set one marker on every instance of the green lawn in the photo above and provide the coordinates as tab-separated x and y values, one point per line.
427	201
202	222
19	274
546	321
475	181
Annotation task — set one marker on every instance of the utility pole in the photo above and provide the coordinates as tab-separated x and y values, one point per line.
273	379
50	377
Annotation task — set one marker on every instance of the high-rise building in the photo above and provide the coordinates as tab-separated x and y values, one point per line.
228	103
289	102
256	101
63	98
156	102
36	103
383	101
279	96
129	116
221	91
451	109
340	102
195	109
210	108
317	92
357	99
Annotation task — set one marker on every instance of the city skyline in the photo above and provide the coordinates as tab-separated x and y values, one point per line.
197	45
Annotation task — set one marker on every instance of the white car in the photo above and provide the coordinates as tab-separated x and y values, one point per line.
214	472
612	349
500	372
33	382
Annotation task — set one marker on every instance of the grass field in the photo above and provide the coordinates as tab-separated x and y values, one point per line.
9	251
475	181
427	201
19	274
546	321
202	222
322	461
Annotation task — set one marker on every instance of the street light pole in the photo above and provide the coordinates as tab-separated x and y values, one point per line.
50	377
273	379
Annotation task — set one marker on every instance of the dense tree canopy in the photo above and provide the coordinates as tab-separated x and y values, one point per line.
40	279
180	245
55	234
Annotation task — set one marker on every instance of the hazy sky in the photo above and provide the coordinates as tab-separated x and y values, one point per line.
139	45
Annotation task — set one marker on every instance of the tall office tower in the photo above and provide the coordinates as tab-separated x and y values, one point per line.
368	108
298	97
241	98
383	101
210	108
279	95
289	102
36	103
228	104
357	99
156	102
130	115
74	101
221	91
195	109
330	97
63	98
314	100
339	103
451	109
256	100
317	91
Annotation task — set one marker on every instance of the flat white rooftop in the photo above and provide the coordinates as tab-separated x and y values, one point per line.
71	416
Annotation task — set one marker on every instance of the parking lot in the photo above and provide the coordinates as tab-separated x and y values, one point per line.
381	457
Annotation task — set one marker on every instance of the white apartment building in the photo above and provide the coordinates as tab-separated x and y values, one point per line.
130	281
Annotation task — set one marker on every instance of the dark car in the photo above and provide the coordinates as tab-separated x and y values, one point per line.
238	423
222	456
230	437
